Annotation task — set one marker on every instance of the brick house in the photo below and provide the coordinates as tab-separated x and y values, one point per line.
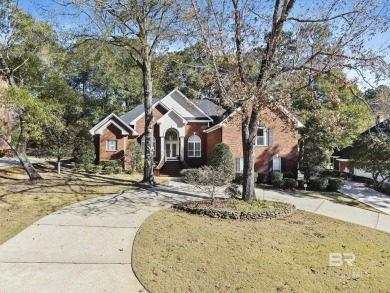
343	157
186	131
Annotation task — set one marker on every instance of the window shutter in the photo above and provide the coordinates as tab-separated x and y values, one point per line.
270	134
283	164
271	165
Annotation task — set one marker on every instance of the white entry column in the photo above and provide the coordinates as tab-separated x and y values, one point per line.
162	147
181	148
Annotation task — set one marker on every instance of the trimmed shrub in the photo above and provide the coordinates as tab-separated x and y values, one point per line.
118	170
110	163
275	176
239	178
79	166
84	152
262	178
222	158
109	170
97	169
89	168
319	183
279	184
335	184
189	174
290	183
288	175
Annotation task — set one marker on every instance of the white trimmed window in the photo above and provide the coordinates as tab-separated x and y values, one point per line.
261	137
239	165
194	147
143	146
111	145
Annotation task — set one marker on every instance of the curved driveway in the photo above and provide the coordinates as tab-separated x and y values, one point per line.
86	247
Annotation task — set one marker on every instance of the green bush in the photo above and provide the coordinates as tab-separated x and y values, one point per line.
275	176
79	166
109	170
255	177
335	184
222	158
288	175
110	163
262	178
239	178
89	168
319	183
97	169
118	170
290	183
279	184
84	152
189	174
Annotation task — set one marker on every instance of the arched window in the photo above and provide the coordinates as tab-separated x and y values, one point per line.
143	146
194	147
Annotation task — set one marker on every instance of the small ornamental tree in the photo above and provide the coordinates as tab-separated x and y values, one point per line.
84	152
208	179
222	158
313	160
134	156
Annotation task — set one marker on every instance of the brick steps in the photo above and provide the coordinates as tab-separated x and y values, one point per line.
171	169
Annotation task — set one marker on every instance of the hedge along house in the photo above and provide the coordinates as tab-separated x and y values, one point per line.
186	131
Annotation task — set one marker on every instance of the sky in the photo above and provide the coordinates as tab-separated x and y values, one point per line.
49	11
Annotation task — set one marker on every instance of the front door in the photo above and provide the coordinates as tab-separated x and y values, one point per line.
171	150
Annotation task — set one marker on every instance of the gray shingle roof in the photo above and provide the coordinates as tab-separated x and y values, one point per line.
132	114
207	106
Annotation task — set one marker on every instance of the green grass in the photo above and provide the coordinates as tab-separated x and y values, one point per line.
178	252
23	202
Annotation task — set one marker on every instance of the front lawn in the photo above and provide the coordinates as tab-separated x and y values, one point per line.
178	252
23	202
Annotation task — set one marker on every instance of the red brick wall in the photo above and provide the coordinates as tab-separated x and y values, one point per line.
198	128
158	112
112	133
285	141
341	165
213	138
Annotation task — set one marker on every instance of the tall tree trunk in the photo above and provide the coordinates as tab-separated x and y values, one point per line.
26	164
148	87
249	132
20	152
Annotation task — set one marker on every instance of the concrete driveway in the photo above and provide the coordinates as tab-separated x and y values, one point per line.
86	247
367	195
12	162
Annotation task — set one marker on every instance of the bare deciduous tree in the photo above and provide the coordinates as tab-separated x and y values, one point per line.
144	28
261	51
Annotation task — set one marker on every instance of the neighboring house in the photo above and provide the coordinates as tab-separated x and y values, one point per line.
186	131
342	158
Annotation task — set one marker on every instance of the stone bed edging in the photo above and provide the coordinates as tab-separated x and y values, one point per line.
235	215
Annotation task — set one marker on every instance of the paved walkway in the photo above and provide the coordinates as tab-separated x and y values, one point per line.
86	247
367	195
327	208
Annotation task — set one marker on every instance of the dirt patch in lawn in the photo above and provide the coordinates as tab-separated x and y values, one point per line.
179	252
23	202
